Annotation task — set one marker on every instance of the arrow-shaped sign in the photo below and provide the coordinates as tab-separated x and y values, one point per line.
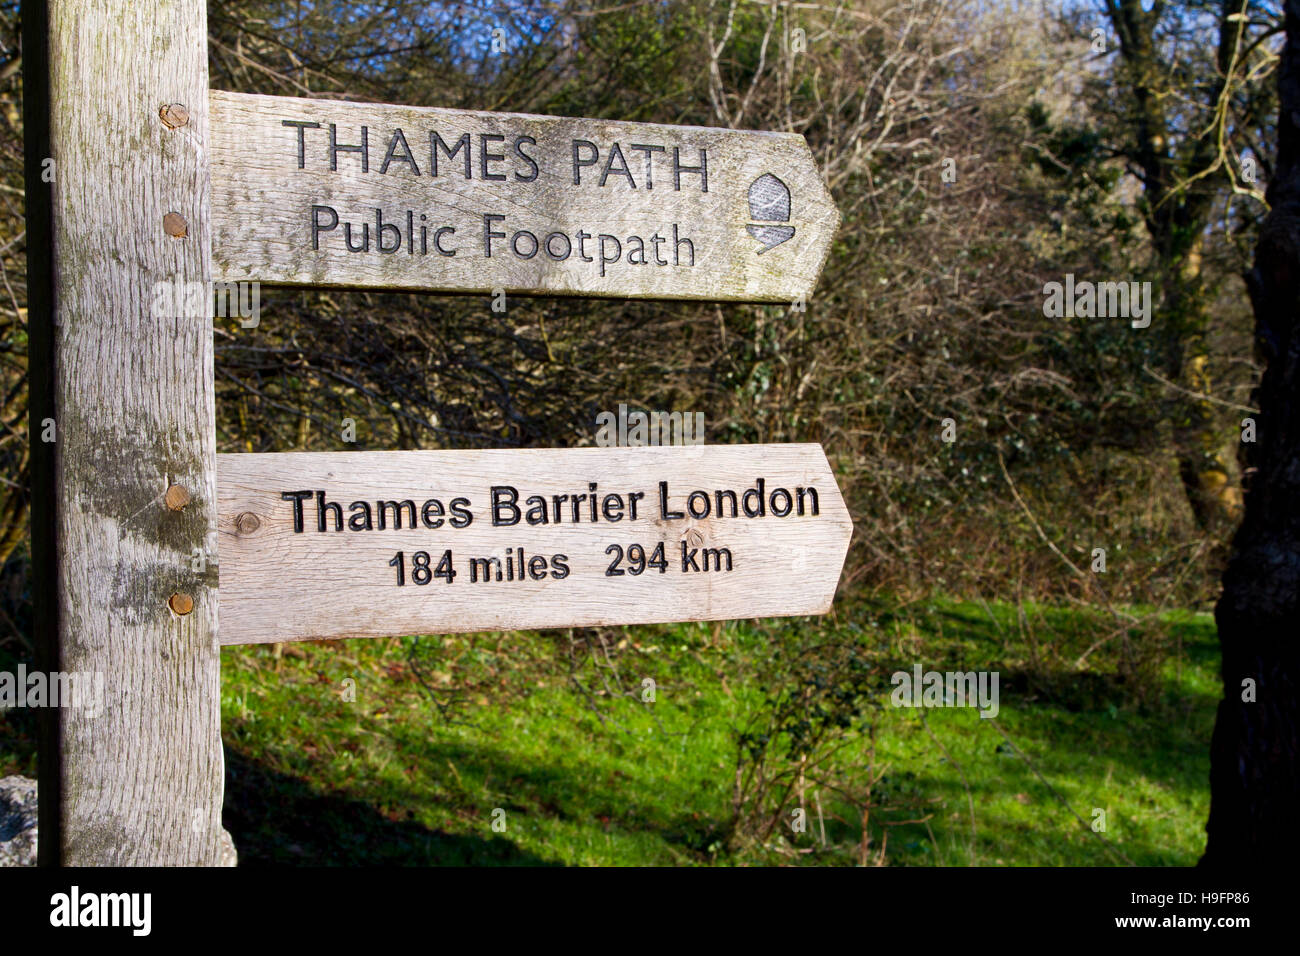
373	544
328	193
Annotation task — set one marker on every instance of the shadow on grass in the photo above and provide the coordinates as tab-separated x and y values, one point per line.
577	794
277	819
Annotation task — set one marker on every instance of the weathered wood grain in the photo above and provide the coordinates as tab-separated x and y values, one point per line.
749	239
279	584
135	779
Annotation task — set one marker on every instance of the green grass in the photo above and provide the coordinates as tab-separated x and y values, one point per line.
594	776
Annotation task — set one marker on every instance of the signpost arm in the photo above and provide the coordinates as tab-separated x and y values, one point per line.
124	476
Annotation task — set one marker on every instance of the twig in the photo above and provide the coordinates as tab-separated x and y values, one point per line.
1201	396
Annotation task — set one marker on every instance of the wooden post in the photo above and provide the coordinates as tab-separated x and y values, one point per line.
118	99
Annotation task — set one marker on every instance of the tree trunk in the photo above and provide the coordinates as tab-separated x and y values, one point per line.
1254	774
1198	433
1180	202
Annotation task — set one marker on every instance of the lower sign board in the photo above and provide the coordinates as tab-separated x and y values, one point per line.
376	544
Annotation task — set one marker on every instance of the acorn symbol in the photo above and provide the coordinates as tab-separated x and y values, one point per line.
769	202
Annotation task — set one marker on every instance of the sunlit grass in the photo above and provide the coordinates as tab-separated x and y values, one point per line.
601	779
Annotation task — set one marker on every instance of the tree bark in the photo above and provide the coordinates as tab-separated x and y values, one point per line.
1254	772
1198	435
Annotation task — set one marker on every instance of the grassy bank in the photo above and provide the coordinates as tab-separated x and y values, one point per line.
445	731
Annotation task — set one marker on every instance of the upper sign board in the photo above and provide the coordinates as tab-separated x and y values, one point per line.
376	544
361	195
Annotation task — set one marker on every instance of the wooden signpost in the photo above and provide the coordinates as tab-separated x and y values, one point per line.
328	193
136	174
369	544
